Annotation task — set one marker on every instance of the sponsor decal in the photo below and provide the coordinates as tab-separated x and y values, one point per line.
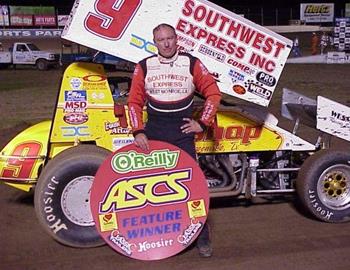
94	82
108	222
116	128
120	142
339	116
236	76
133	161
121	242
75	83
243	134
258	90
240	66
75	95
143	44
266	79
75	118
188	234
75	106
185	44
80	131
149	205
96	95
212	53
196	209
94	78
239	89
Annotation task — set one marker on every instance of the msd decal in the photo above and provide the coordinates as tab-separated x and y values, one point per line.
149	205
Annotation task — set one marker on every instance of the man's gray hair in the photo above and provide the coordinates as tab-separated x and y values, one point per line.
157	28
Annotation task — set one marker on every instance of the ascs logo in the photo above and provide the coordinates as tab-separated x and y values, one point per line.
143	190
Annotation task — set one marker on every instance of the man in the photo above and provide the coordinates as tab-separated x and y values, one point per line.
296	48
166	83
314	43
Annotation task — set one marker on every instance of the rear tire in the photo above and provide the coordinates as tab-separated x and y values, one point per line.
323	185
62	196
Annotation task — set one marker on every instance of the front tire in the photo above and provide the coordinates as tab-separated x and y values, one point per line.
62	196
42	64
323	185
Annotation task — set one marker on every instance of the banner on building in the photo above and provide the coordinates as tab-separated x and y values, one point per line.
342	34
317	12
32	16
62	20
347	10
4	16
245	58
33	33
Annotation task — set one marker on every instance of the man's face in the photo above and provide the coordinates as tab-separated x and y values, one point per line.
166	41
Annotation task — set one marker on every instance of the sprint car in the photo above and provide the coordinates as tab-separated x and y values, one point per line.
244	154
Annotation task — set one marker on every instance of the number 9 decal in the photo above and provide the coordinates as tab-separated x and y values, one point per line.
112	18
18	167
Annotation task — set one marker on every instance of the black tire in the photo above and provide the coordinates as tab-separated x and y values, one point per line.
42	64
62	196
323	185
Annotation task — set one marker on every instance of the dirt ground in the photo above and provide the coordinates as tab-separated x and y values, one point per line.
264	235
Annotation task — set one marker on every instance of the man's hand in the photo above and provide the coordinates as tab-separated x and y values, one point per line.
191	126
142	141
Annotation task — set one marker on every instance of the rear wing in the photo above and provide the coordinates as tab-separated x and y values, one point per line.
323	114
245	58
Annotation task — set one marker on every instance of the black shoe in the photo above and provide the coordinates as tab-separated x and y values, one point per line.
205	250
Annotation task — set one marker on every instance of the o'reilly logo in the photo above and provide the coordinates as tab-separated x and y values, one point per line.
132	161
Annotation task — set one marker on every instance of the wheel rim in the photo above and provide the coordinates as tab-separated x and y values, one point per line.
75	201
333	187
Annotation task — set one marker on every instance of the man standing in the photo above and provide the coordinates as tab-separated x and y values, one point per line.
166	83
314	43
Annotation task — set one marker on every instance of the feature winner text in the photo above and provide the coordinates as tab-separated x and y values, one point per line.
151	225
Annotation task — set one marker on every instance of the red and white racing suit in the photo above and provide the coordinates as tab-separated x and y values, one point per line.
167	86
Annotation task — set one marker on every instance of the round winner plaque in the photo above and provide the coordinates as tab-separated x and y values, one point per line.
149	205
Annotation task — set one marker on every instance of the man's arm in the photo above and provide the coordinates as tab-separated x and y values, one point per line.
206	85
136	101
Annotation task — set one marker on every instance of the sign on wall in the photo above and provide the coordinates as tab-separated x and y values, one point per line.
245	58
317	12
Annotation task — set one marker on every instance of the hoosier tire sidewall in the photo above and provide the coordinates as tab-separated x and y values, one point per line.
57	174
307	182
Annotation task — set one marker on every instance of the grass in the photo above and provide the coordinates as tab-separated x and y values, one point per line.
27	96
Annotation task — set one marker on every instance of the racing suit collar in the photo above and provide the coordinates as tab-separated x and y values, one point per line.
168	60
